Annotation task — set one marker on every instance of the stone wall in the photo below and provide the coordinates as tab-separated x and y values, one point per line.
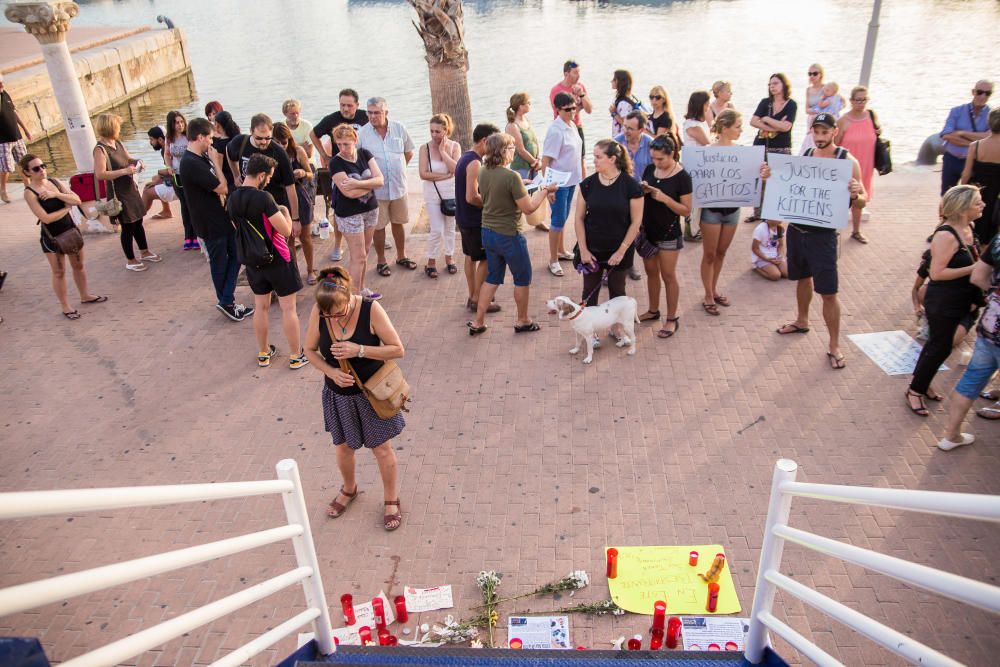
109	74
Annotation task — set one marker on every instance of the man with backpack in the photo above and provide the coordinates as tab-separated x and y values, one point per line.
261	230
812	251
204	189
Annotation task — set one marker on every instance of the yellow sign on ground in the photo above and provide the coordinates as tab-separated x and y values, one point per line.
648	574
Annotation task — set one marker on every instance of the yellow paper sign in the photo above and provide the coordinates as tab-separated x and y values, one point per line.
648	574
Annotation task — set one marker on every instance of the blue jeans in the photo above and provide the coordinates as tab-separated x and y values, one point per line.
560	207
985	362
224	267
951	171
504	251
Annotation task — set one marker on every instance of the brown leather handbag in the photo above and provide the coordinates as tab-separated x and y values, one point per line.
387	390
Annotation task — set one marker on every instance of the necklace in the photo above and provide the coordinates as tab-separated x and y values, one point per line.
670	172
341	322
608	181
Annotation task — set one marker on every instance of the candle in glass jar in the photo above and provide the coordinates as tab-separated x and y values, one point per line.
659	614
378	609
383	637
347	604
612	563
393	640
656	639
673	631
401	614
365	634
693	558
635	643
713	597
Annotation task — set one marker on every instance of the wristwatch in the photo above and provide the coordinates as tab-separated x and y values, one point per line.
361	351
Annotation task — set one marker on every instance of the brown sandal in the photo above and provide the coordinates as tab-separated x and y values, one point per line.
393	521
336	509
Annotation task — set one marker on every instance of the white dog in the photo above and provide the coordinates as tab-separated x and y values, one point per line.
587	322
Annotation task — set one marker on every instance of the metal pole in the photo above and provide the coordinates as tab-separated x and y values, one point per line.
866	63
305	553
778	509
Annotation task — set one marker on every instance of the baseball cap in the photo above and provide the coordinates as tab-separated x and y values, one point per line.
824	119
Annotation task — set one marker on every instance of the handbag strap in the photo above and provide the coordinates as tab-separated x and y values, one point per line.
111	181
344	364
878	128
430	168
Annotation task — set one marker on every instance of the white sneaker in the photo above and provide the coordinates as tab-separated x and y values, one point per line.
948	445
370	294
335	256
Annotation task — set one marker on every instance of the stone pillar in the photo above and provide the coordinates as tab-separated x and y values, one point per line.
48	22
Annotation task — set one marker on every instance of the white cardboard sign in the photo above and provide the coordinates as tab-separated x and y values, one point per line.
724	176
808	190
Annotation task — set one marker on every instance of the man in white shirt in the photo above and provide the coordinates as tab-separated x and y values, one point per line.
391	145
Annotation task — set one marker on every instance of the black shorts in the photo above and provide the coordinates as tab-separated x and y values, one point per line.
472	243
813	254
282	278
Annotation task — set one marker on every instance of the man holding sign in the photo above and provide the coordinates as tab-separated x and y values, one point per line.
814	196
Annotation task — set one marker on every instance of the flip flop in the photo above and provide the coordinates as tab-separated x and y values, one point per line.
407	262
383	270
859	237
526	328
72	315
795	328
96	299
723	301
991	412
474	330
162	216
710	308
311	278
836	363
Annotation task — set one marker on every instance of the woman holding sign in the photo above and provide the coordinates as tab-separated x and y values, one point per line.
774	118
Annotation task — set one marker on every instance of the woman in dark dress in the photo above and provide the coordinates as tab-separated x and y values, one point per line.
348	327
950	297
305	189
982	168
225	129
113	163
50	201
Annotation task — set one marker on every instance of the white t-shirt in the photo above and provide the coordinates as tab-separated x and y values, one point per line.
768	242
564	147
691	122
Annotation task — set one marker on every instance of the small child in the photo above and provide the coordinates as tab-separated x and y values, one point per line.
831	102
767	250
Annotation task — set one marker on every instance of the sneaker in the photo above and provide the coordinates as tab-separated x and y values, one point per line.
388	244
229	311
187	244
370	294
195	245
634	274
298	361
264	358
243	311
336	255
964	439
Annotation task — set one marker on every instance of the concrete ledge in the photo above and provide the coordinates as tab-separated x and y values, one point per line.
109	74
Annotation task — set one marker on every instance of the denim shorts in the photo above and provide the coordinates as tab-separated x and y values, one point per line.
985	362
711	216
504	251
560	207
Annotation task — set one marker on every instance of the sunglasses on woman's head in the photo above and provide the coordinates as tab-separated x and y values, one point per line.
37	168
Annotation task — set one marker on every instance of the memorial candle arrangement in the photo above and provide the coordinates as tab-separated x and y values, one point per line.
401	614
347	604
378	609
612	563
365	635
673	632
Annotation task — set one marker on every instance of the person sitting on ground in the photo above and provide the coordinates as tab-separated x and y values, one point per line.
345	327
161	185
767	250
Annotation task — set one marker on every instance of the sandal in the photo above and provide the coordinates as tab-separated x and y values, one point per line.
336	509
989	412
933	396
474	330
920	409
96	299
431	271
393	521
526	328
72	315
311	278
723	300
383	270
992	395
407	262
859	237
710	308
649	316
452	268
663	333
836	363
791	328
556	270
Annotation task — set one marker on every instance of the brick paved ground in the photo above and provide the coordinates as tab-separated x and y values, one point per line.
516	456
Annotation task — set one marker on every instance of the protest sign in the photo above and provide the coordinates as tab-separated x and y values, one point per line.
724	176
808	190
892	351
538	632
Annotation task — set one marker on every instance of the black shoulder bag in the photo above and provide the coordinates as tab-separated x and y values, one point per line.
448	206
883	155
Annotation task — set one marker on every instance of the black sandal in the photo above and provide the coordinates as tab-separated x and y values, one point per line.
663	333
431	271
474	330
407	262
922	410
383	270
649	316
526	328
452	268
72	315
96	299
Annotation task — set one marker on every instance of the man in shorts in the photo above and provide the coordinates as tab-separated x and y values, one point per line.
12	146
812	251
985	358
252	204
391	145
469	213
160	187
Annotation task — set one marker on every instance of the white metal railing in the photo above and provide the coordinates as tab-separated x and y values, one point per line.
777	532
34	594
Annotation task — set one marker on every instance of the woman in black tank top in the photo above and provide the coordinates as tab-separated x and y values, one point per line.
345	328
50	202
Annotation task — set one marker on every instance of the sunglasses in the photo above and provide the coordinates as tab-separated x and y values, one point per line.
656	97
813	73
859	99
38	167
987	93
567	109
267	138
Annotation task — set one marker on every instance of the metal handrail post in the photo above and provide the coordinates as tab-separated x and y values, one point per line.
305	554
778	509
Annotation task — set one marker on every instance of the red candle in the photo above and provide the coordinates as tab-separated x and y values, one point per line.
713	597
365	634
635	644
659	614
656	639
693	558
723	557
401	614
347	604
383	637
673	631
612	563
379	610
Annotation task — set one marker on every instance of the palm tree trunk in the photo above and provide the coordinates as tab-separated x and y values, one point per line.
440	26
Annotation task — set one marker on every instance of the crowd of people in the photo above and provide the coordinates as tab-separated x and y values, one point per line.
239	190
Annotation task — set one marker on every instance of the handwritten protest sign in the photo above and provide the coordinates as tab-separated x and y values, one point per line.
648	574
427	599
808	190
724	176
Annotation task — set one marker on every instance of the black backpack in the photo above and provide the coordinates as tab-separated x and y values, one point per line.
253	246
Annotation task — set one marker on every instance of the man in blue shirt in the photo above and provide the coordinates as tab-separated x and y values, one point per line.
966	123
636	142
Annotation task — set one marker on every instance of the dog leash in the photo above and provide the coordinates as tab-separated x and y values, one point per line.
583	304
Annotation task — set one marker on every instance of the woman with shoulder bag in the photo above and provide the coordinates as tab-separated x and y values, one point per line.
858	132
50	201
113	163
438	158
349	338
